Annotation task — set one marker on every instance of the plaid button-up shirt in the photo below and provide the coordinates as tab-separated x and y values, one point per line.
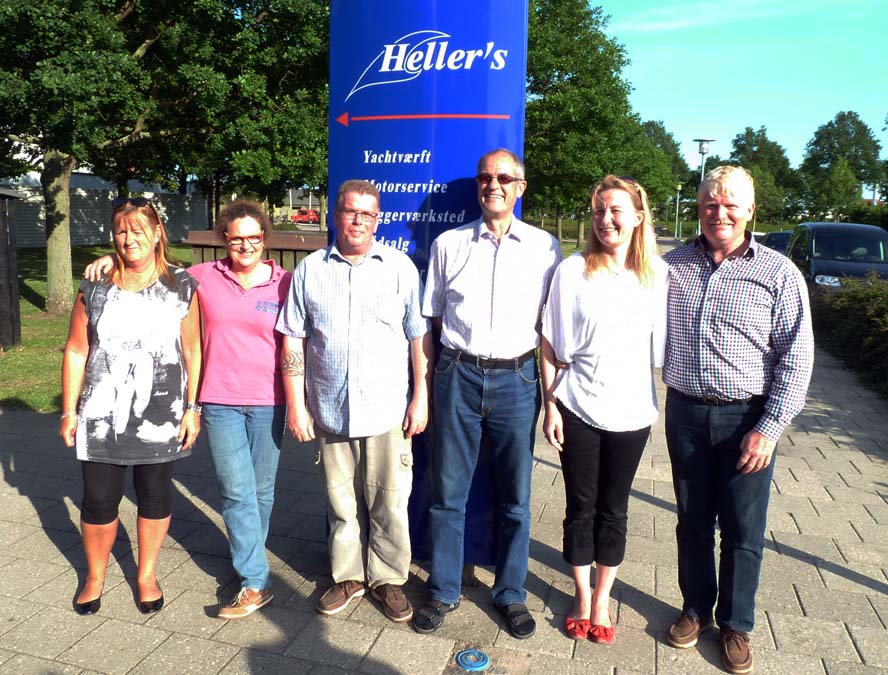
738	329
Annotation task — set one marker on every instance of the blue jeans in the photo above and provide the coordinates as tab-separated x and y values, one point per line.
500	407
245	445
704	446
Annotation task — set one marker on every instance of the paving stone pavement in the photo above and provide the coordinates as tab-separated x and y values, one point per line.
822	604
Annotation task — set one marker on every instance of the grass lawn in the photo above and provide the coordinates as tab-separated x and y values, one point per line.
31	373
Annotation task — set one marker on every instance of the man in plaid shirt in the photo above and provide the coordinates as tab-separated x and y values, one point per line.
739	355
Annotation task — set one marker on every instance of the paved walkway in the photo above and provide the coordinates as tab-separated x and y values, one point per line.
823	601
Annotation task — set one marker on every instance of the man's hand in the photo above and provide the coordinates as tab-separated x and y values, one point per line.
553	427
755	452
416	418
300	424
99	268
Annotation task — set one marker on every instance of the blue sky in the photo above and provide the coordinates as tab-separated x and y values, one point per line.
710	69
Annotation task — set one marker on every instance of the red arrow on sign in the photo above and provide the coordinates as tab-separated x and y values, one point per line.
344	120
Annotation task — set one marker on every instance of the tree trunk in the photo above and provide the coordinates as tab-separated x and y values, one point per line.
558	218
211	201
56	182
581	238
322	199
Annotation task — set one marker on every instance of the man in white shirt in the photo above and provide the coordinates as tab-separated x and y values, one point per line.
486	286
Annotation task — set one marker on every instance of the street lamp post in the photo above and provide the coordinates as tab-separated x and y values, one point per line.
703	144
677	209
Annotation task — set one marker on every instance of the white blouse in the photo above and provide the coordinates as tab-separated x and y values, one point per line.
611	331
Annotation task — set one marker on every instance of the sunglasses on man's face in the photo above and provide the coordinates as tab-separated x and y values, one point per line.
501	178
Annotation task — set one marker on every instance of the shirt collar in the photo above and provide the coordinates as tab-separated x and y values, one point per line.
750	252
516	230
377	251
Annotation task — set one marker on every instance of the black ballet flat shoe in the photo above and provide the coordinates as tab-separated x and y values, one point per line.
150	606
88	607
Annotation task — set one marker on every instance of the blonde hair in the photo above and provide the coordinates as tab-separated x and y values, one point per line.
143	217
642	246
731	181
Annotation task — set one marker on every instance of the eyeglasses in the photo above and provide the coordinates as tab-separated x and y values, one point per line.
139	202
252	240
501	178
366	217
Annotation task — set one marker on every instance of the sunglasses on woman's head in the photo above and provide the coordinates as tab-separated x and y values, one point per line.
117	202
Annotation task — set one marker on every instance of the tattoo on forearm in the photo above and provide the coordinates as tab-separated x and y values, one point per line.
293	363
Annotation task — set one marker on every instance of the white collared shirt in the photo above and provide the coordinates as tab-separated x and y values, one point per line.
490	296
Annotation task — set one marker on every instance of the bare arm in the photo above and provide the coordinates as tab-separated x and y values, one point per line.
99	268
417	416
73	369
299	420
189	427
553	425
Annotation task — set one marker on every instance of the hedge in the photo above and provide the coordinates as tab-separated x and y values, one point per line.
852	323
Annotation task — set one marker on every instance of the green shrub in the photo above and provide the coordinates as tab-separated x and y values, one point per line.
852	323
869	214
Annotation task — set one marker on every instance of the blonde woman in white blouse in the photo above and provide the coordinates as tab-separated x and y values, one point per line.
603	333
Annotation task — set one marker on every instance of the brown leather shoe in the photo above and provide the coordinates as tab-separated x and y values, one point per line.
337	597
394	603
247	601
736	656
686	629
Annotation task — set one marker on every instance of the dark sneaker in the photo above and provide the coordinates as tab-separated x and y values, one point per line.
736	657
394	603
337	597
686	629
247	601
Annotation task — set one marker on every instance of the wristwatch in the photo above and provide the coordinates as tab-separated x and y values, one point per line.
196	407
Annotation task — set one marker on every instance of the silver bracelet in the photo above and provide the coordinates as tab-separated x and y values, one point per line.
69	414
196	407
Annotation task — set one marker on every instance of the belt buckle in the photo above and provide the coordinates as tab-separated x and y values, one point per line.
710	400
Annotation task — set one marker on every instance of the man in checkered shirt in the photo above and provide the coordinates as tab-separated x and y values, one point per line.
739	355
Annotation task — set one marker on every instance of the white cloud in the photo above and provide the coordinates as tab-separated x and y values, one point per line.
682	16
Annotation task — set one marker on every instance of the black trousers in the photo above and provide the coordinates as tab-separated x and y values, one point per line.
103	490
598	468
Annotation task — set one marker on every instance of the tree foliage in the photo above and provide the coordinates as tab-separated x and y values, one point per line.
845	137
155	90
775	180
580	125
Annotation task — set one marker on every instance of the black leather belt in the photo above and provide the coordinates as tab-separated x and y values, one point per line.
712	400
489	364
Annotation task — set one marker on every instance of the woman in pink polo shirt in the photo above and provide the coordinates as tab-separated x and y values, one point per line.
244	408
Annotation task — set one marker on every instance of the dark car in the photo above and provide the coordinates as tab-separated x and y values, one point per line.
826	253
777	240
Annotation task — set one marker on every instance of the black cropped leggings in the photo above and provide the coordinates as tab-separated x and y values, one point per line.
103	490
598	468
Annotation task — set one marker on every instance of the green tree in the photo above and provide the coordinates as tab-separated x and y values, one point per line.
754	148
578	112
832	194
665	141
845	137
161	88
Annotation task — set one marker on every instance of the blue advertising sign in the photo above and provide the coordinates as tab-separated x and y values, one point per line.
418	92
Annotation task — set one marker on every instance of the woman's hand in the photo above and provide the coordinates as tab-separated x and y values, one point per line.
99	268
553	426
68	429
189	428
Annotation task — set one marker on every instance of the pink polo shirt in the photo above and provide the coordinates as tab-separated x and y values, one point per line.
241	349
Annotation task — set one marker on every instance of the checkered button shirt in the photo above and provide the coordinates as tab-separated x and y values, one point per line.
739	329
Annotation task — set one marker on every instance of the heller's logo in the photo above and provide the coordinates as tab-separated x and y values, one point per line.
410	56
